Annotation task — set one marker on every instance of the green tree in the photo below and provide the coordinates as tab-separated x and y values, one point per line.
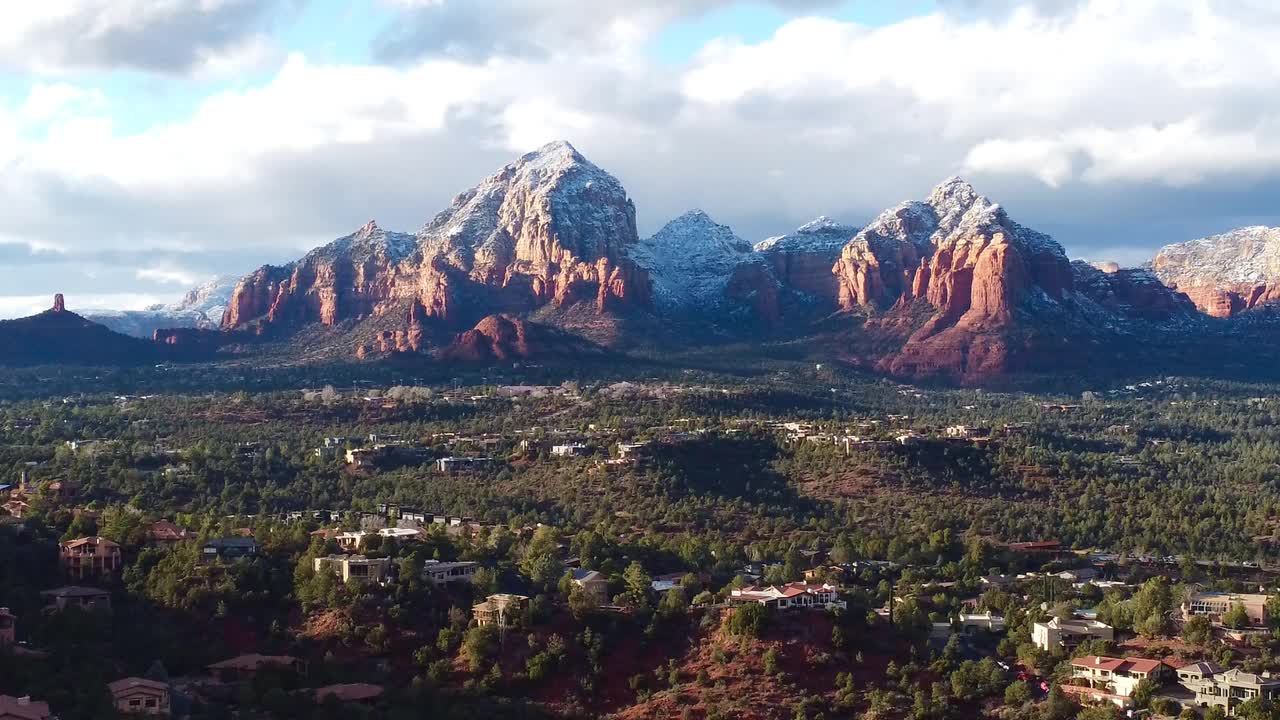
1236	617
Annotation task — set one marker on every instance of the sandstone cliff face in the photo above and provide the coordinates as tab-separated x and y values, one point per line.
347	278
1130	292
801	261
1224	274
950	274
549	229
503	338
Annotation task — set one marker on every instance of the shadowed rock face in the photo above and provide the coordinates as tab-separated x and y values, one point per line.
1224	274
60	336
549	229
1131	292
501	338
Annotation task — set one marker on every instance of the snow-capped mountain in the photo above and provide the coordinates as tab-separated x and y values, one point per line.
692	260
202	307
802	260
550	231
1227	273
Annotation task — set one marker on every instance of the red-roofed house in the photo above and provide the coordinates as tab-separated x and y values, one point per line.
791	595
140	696
89	557
1114	679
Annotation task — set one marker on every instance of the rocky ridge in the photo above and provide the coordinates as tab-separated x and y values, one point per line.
1224	274
699	267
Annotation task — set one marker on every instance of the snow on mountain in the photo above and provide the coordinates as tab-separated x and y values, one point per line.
819	235
1241	256
201	307
587	212
691	261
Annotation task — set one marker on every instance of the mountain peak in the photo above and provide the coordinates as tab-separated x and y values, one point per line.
953	190
559	152
368	230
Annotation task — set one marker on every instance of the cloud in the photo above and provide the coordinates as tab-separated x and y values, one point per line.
1112	125
475	30
165	36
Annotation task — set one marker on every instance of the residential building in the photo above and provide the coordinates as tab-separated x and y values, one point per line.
440	573
501	610
228	549
595	585
1069	633
1191	675
570	450
245	666
1114	679
789	596
89	557
8	627
355	567
85	598
17	508
1217	604
140	696
163	532
973	622
462	464
1228	689
22	708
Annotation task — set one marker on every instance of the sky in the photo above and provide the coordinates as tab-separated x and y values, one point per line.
146	145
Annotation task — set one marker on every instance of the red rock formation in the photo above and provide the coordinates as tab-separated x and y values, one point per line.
502	338
59	304
1227	300
1131	292
550	229
950	272
1224	274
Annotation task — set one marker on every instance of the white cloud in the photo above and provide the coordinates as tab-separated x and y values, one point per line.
1096	99
169	276
167	36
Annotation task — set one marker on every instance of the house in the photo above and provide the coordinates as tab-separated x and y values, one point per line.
354	567
89	557
965	432
501	610
228	549
140	696
595	585
349	693
462	464
163	532
1077	575
8	627
22	708
570	450
400	534
440	573
245	666
631	451
1069	633
85	598
17	508
1227	690
1216	604
973	622
789	596
663	583
350	540
1114	679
